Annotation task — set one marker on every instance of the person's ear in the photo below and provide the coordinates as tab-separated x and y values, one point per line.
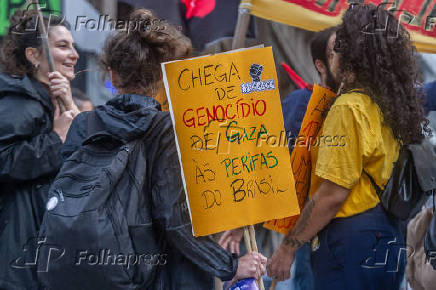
320	67
33	55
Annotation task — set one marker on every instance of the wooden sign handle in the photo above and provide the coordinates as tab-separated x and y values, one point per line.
251	245
247	240
273	284
44	39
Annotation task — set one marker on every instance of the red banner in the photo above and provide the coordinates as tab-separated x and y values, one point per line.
415	15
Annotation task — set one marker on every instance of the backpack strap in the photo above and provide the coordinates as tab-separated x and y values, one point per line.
5	201
92	123
377	188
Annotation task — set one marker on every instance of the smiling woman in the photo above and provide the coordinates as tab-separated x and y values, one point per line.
22	54
32	131
64	54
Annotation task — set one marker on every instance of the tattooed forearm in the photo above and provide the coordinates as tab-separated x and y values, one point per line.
293	242
291	238
304	218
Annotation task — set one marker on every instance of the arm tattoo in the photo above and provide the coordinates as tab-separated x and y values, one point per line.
300	227
293	242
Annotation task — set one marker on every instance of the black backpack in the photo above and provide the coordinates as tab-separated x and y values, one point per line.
97	232
413	179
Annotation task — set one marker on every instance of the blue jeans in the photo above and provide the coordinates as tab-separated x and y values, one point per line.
302	277
282	285
362	252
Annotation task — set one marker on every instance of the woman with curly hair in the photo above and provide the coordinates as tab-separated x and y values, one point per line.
354	243
32	131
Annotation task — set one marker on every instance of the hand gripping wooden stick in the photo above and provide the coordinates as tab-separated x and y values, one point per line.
250	244
44	39
252	234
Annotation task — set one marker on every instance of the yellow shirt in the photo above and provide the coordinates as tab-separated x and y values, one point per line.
354	138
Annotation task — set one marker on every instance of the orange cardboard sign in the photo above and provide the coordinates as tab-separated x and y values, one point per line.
228	122
319	104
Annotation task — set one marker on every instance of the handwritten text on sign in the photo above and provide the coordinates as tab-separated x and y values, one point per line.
226	111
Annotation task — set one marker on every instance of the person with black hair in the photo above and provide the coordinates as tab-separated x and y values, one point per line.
32	130
294	108
378	110
294	105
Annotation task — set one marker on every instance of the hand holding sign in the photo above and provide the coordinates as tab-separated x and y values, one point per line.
231	240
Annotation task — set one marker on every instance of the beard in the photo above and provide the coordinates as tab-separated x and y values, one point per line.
331	81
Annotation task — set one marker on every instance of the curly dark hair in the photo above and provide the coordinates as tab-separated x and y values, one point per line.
136	55
377	51
22	34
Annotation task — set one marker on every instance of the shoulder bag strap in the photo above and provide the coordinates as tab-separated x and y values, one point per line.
377	188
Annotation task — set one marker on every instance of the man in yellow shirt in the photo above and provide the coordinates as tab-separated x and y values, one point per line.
355	245
365	144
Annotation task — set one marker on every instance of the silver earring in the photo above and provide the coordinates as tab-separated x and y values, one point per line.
36	66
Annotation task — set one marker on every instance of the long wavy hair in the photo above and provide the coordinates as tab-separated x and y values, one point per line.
376	55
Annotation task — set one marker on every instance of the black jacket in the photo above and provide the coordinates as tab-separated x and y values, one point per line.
29	158
191	262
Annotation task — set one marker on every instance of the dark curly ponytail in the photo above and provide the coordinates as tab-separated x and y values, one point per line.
135	55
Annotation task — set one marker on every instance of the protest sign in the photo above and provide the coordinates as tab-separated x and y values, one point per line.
231	141
319	103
